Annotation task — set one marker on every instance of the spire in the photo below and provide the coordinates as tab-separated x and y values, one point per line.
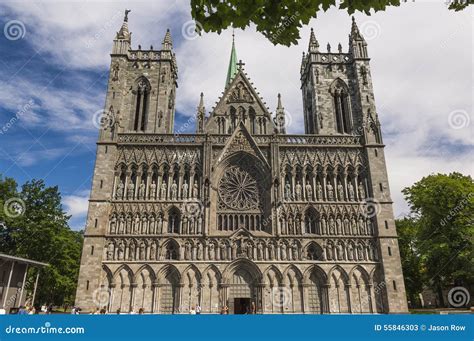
200	115
357	43
280	117
124	34
167	42
313	42
232	69
279	106
355	33
123	37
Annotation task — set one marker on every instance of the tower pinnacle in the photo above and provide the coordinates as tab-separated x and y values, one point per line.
232	69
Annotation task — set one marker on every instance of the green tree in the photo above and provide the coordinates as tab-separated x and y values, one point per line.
281	20
411	261
39	230
443	208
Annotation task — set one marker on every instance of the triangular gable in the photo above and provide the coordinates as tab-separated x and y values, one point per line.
240	90
242	141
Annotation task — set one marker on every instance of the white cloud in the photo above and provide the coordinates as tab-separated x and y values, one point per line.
421	68
76	204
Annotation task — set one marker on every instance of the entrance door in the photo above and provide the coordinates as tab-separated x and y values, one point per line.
241	305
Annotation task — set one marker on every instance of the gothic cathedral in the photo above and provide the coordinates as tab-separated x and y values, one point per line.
241	214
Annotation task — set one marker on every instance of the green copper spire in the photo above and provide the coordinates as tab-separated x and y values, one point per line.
232	70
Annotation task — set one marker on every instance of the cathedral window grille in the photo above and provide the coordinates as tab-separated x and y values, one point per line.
174	221
342	113
142	98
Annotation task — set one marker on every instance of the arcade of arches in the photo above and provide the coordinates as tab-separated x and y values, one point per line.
279	289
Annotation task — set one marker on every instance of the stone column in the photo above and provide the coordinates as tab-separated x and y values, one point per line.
114	188
148	183
128	175
154	303
305	303
344	184
132	296
138	182
349	297
324	175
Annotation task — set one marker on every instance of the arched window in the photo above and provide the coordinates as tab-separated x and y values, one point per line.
340	94
314	252
171	251
173	221
142	98
252	120
311	222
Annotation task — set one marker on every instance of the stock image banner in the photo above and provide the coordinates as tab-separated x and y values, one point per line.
147	188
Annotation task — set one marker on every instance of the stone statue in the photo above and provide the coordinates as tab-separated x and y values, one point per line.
141	190
110	251
340	252
129	225
113	223
136	225
142	251
295	251
260	251
283	252
350	189
119	193
287	191
211	251
320	191
153	190
131	190
163	191
271	251
340	191
223	251
152	225
131	254
347	226
353	226
298	191
361	191
309	192
199	251
120	252
174	191
121	228
187	251
184	190
330	191
144	225
332	225
195	189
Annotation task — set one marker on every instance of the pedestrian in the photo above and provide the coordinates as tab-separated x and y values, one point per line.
192	311
198	309
118	311
49	310
141	311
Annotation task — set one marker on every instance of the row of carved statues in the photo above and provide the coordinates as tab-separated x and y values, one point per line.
174	222
329	189
139	249
167	189
290	224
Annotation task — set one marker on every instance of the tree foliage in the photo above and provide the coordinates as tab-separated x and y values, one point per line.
41	233
440	232
280	20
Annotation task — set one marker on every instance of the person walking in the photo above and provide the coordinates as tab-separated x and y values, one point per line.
198	309
192	311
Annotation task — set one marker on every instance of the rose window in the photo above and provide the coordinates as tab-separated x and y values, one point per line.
238	189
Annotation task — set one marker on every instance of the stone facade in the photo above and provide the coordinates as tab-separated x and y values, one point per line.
241	213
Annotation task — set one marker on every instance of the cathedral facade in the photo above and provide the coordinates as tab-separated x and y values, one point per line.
241	214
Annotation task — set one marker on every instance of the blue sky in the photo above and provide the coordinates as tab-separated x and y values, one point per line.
55	75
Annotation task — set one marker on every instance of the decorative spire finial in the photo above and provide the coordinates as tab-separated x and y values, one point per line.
126	15
232	69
